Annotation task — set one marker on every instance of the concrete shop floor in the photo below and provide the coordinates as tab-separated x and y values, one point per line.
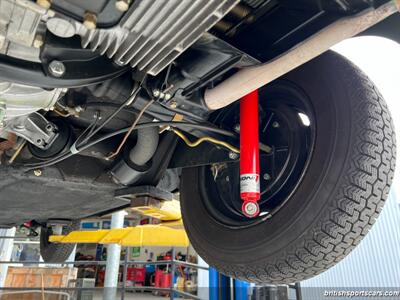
98	295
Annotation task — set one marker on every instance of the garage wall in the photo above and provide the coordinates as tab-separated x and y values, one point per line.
374	263
157	250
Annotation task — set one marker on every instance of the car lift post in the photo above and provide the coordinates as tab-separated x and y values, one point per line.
249	155
113	259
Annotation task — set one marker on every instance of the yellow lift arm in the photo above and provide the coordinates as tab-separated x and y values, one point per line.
144	235
169	233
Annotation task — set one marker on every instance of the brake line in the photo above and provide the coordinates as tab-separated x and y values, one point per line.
128	133
204	139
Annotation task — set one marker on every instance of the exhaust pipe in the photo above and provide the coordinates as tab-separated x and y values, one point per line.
249	79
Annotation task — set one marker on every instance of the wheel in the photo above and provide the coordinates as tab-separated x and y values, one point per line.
322	185
52	252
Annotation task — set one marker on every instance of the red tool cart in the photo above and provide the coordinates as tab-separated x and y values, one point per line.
136	275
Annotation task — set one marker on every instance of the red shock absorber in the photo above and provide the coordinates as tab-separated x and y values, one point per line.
249	155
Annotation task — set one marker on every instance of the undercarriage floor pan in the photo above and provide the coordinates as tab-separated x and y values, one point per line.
25	196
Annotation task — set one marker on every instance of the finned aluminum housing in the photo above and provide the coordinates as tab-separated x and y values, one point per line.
154	32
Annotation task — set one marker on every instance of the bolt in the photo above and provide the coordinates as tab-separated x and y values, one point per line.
37	173
38	41
167	96
266	176
250	209
237	128
173	104
49	127
90	20
275	124
156	93
233	155
57	68
122	5
44	3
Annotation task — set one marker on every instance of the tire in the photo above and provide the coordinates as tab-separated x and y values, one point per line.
56	253
337	200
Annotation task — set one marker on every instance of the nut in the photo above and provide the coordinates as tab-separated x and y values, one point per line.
122	5
266	176
237	128
167	96
44	3
173	104
251	209
156	93
57	68
233	155
37	173
38	41
90	20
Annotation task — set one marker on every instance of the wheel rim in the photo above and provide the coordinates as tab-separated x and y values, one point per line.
287	125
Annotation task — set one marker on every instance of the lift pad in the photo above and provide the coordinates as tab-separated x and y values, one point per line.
165	211
144	235
152	202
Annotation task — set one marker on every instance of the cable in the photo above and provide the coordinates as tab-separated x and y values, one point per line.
128	133
109	104
205	139
88	131
64	115
97	117
129	101
124	130
131	110
17	152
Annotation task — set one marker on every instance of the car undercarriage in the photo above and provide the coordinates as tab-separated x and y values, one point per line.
99	97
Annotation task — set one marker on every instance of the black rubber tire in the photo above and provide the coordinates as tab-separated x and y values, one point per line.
338	199
56	253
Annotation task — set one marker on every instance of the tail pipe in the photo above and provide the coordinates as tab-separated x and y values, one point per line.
252	78
249	155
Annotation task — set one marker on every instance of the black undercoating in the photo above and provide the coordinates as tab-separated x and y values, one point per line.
24	196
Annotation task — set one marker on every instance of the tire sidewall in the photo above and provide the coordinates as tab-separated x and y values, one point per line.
53	252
